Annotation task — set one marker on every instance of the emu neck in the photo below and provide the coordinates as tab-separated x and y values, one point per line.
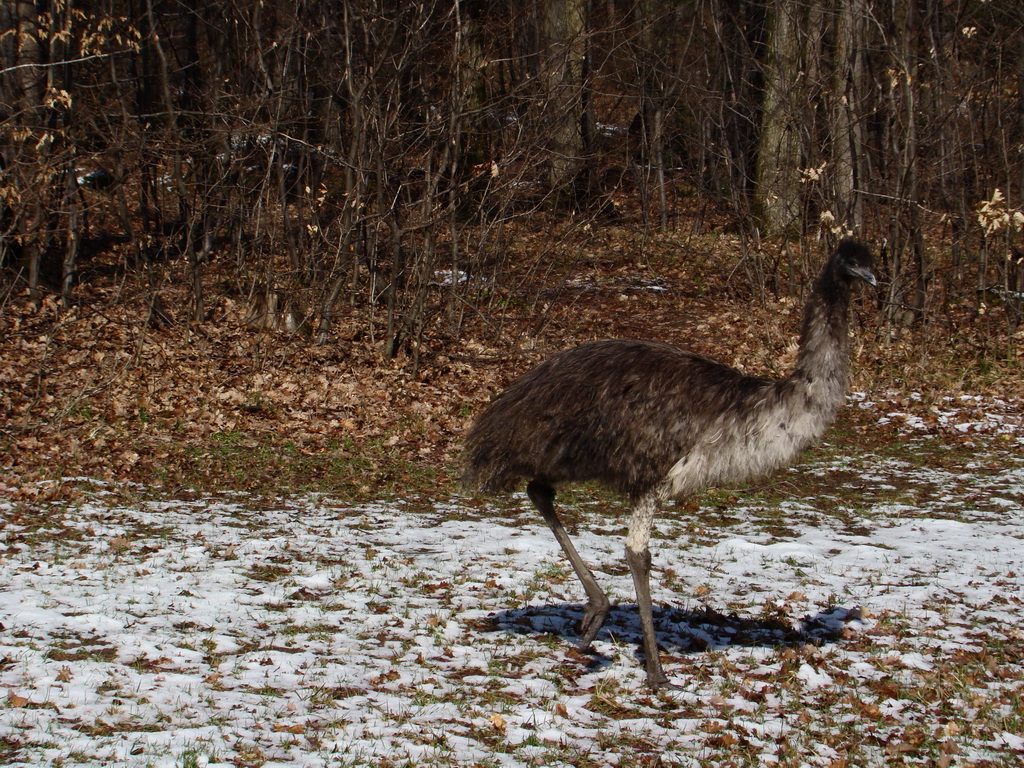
823	359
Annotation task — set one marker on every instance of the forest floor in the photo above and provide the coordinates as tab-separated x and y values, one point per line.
224	546
95	391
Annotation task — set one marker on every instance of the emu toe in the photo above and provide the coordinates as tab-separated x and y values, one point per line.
593	620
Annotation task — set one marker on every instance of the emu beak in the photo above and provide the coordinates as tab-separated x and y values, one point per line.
865	274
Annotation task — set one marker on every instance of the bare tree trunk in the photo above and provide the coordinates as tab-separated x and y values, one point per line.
71	207
192	232
653	95
846	126
563	27
731	136
30	86
777	186
908	267
62	50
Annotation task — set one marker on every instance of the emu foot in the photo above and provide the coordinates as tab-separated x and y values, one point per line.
657	680
593	619
663	684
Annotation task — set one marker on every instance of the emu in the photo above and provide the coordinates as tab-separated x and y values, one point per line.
654	422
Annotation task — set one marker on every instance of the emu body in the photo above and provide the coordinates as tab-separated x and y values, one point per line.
653	422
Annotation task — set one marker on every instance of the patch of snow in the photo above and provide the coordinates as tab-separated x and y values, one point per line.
813	678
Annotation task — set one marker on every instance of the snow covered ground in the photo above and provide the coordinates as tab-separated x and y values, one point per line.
877	621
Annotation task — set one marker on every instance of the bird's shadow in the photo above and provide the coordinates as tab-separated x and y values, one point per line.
680	631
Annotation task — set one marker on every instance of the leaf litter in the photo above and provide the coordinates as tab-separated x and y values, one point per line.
868	623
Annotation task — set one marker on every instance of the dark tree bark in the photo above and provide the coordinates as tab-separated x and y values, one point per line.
563	26
777	186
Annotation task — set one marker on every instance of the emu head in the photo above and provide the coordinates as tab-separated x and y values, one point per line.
853	261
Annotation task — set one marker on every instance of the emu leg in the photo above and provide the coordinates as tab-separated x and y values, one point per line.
598	605
638	557
640	567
